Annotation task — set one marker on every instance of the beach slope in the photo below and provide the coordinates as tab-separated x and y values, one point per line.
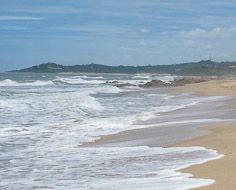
222	138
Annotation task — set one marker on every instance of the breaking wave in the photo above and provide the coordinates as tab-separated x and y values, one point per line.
8	82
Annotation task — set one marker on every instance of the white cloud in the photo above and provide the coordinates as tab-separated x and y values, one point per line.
49	10
98	29
202	33
145	30
20	18
142	43
233	29
126	49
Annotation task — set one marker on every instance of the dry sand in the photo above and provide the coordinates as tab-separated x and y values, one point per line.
222	138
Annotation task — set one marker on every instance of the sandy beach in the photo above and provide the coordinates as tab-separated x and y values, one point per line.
221	138
223	171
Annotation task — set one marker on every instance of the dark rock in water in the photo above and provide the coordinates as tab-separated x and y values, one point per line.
112	82
154	84
124	85
118	84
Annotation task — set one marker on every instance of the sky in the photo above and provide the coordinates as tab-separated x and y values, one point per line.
112	32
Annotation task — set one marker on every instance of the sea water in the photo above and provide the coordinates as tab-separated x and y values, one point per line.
45	118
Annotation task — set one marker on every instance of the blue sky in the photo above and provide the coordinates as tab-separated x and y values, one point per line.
128	32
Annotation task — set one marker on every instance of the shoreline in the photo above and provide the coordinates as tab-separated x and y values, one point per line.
221	137
169	128
223	170
217	136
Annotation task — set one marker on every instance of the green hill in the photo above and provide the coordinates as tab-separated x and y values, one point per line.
207	68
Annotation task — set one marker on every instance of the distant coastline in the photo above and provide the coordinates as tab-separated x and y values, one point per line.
201	68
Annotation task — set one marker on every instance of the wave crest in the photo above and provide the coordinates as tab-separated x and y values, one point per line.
9	82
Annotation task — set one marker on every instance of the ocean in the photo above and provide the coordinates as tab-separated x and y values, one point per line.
46	118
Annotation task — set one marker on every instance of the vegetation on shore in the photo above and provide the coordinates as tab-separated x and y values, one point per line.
202	68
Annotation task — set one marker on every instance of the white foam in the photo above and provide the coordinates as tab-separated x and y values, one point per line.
139	168
89	102
8	82
14	105
144	116
65	103
88	77
166	79
95	77
141	77
192	121
76	80
161	175
108	89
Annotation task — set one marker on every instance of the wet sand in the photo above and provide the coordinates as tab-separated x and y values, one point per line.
222	138
171	127
223	171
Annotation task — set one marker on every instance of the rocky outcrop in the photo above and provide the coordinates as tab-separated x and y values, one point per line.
119	84
154	84
124	85
187	80
112	82
176	82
